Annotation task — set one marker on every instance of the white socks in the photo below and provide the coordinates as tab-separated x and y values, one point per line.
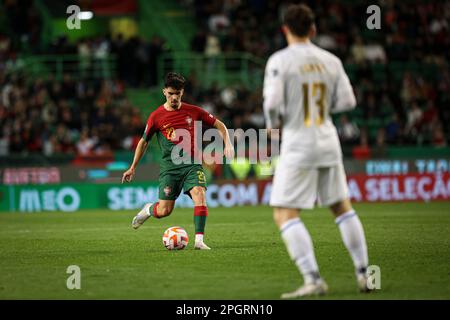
300	248
147	212
198	237
354	239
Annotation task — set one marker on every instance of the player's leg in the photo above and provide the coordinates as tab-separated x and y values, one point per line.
298	242
158	210
300	248
198	195
294	188
169	189
195	186
352	234
333	192
162	208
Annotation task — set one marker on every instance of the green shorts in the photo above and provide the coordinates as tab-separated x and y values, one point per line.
172	181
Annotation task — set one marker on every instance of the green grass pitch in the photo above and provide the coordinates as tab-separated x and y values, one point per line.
410	242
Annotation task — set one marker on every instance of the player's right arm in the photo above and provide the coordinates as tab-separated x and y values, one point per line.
273	92
140	148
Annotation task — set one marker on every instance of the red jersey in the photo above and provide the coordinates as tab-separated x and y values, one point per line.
166	123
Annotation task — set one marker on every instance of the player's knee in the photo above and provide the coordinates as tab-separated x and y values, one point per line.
281	216
341	207
278	218
198	195
197	191
164	211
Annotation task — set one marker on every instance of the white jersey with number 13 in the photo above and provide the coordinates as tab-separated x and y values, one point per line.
303	84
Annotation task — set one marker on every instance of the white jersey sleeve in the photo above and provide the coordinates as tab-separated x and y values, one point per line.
273	92
344	98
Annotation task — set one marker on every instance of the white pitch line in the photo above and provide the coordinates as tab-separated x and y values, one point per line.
125	228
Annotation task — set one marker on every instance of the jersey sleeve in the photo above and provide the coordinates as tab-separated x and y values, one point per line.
150	127
343	98
206	117
273	91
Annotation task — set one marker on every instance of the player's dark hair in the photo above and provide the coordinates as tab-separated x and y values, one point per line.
174	80
299	18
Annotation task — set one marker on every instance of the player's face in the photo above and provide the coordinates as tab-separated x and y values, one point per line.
173	96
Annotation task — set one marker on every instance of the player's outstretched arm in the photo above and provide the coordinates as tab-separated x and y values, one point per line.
223	131
140	150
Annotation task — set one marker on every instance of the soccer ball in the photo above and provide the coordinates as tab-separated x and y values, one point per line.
175	238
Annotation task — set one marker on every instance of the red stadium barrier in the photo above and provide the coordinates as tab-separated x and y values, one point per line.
408	187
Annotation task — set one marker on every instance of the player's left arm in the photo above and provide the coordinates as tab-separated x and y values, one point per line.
343	97
223	131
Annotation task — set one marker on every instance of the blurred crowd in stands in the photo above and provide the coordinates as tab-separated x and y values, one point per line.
415	29
78	117
402	107
136	58
396	105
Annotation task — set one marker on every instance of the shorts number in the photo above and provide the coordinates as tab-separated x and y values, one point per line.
201	177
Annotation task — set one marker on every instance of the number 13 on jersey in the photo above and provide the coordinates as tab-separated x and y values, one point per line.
318	94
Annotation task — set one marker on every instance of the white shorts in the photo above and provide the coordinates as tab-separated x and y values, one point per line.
295	187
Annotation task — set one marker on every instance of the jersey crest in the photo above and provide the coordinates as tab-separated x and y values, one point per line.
170	133
167	190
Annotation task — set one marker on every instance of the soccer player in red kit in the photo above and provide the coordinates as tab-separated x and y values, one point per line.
166	121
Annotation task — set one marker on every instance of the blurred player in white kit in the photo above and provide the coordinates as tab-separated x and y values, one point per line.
303	84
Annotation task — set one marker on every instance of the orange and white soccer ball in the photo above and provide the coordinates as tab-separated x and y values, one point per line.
175	238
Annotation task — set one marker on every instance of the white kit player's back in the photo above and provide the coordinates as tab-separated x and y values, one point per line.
304	83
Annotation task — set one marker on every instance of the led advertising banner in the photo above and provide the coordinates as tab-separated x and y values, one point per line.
73	197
